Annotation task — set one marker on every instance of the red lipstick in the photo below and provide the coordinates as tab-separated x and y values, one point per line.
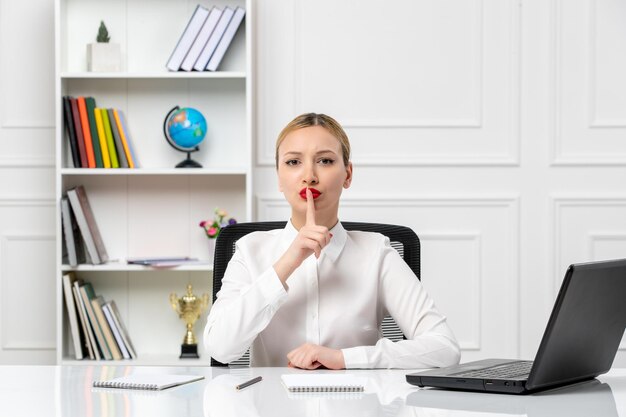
314	192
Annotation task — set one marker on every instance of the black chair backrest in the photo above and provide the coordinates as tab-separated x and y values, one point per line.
402	238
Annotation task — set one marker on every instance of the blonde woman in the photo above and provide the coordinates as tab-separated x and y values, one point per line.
313	294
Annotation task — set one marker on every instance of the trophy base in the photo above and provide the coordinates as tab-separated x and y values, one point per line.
189	352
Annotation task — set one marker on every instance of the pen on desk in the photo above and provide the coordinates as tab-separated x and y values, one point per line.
248	383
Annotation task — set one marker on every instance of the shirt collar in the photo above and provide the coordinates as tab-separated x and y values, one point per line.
332	250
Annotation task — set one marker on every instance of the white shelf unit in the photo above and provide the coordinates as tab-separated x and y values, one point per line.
153	210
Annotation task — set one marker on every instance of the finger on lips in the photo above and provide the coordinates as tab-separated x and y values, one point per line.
310	208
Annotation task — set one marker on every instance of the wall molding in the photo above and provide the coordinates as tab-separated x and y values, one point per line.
475	275
556	154
557	203
27	161
37	201
18	345
470	122
510	157
594	122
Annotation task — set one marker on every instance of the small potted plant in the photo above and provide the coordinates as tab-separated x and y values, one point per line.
103	56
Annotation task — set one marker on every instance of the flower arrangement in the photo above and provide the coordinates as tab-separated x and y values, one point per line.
213	228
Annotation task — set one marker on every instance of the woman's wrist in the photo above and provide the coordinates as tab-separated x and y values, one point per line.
284	267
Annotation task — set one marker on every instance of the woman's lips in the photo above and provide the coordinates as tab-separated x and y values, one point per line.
314	192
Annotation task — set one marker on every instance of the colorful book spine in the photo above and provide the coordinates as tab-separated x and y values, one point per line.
71	135
87	294
79	134
90	102
109	135
129	139
121	156
120	130
97	303
84	121
106	160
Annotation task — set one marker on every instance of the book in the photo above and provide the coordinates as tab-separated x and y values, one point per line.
106	160
121	156
227	38
110	143
166	261
90	339
90	103
201	39
323	383
78	130
68	280
117	318
117	334
84	122
112	345
71	135
120	131
129	140
71	234
87	294
152	382
87	224
214	40
190	33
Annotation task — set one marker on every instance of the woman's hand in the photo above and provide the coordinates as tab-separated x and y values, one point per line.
310	239
310	356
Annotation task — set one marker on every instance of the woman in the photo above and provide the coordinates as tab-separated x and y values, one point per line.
323	310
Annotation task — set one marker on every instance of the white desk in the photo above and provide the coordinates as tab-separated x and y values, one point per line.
66	391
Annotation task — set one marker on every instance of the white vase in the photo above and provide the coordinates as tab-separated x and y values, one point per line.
104	57
211	251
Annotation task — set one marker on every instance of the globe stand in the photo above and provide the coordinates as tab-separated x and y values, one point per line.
189	163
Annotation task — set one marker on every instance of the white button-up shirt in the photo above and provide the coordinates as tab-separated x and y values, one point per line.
337	301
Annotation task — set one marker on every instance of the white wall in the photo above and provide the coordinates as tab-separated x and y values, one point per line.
494	128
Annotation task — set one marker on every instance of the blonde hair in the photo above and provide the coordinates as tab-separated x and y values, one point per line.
317	119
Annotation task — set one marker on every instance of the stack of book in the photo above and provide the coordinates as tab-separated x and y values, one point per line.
96	325
206	38
83	242
98	137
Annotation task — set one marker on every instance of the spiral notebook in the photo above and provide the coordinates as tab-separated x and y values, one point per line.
323	383
148	382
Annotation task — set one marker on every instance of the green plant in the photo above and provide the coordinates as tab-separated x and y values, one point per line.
103	33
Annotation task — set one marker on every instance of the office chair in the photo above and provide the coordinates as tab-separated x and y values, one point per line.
402	238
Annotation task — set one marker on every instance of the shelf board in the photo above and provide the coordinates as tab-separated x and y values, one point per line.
153	171
144	360
124	267
154	75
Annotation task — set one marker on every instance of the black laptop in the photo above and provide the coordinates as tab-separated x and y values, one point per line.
584	399
580	342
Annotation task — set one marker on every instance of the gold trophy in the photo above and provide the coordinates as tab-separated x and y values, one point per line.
189	308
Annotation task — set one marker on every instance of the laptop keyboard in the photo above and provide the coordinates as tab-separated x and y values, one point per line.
509	370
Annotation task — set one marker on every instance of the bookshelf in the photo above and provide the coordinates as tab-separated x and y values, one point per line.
153	210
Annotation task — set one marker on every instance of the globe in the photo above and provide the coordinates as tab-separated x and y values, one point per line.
184	129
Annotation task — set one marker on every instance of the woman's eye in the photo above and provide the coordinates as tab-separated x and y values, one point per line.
326	161
292	162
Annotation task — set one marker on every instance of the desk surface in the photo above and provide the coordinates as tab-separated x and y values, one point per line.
66	391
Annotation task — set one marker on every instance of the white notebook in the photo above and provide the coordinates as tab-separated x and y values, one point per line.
147	381
323	383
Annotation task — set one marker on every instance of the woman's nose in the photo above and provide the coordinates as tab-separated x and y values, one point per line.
310	175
